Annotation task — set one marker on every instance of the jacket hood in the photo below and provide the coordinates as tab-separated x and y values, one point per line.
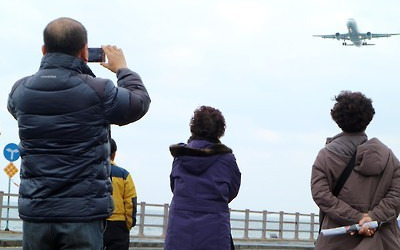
345	144
372	157
197	156
57	60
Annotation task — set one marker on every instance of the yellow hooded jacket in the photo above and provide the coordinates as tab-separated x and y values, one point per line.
124	196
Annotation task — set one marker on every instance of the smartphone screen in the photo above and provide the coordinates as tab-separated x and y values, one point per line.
96	55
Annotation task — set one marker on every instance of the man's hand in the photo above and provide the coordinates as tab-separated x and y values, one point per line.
115	58
365	230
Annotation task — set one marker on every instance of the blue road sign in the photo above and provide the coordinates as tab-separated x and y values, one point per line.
11	152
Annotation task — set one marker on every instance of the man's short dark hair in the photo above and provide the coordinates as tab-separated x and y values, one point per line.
353	111
65	35
207	123
113	146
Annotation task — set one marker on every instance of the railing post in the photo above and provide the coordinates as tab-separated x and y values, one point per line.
281	225
246	223
1	205
264	225
142	215
165	219
296	226
312	222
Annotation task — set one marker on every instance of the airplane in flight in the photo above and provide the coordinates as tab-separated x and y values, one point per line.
358	39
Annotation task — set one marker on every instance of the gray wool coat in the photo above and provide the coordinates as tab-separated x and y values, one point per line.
373	187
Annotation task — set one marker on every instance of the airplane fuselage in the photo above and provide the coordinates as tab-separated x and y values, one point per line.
354	34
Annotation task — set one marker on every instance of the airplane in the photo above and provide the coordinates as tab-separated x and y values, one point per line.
357	38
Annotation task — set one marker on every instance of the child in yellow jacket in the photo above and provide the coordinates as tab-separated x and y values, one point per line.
124	196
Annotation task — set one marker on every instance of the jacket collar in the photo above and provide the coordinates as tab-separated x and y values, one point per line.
60	60
198	148
345	143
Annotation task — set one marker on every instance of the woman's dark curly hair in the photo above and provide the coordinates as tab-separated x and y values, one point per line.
352	111
207	123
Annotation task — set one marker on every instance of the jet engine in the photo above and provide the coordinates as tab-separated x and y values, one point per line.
369	35
337	35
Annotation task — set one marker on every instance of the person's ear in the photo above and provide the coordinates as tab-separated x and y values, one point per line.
84	53
44	50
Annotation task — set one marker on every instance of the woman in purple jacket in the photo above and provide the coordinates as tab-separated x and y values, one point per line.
204	179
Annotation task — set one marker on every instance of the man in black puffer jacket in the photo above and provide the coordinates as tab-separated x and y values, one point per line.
64	115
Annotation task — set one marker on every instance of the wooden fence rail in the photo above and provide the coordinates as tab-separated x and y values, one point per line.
152	221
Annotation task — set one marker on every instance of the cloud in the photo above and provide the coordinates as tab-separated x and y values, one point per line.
268	135
180	55
247	17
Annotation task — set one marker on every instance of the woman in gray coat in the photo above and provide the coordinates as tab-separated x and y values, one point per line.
372	190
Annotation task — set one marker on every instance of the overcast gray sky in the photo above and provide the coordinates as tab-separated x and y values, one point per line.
254	60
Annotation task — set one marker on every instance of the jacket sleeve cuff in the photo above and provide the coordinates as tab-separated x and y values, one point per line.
121	70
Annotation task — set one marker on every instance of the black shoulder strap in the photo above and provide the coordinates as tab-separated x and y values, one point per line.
342	180
345	175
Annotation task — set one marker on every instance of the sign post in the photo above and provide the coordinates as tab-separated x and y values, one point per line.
11	153
8	205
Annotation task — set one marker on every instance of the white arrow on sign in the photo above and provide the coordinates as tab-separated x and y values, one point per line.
12	152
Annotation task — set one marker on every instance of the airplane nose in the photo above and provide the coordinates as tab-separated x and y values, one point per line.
351	24
350	21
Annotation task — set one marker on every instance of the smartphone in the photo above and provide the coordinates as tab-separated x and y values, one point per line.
96	55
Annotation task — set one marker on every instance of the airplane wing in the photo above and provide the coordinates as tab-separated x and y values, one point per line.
325	36
370	35
335	36
383	35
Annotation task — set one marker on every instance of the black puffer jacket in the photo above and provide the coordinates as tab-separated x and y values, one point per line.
64	115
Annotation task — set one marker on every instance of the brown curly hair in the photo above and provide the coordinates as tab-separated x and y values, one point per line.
207	123
353	111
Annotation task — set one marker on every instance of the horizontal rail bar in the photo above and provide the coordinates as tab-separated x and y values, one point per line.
245	223
11	195
10	207
10	219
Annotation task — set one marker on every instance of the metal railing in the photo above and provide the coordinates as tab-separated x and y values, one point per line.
7	208
152	221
